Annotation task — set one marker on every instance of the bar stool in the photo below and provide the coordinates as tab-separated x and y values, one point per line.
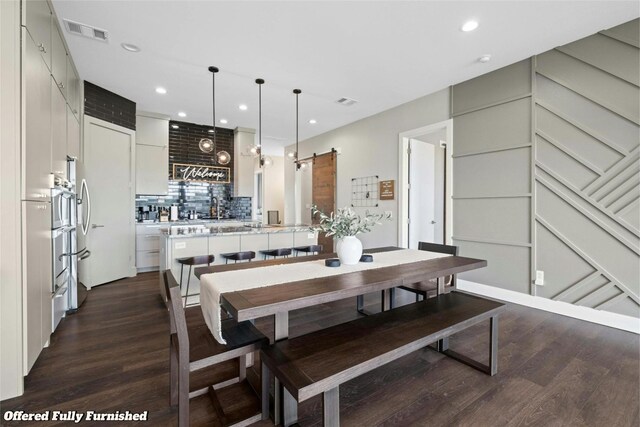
191	261
312	249
238	256
285	252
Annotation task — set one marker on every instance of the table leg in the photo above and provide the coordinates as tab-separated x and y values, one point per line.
281	331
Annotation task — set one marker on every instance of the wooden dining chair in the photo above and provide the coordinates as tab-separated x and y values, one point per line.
430	288
199	365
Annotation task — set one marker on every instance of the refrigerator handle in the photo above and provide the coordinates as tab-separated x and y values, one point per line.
84	190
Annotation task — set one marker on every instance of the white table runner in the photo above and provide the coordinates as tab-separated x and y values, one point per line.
214	284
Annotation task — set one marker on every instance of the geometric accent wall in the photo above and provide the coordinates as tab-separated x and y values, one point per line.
587	171
546	172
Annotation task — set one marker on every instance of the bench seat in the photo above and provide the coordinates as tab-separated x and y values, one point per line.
319	362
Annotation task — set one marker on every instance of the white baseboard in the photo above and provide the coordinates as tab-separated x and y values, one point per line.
613	320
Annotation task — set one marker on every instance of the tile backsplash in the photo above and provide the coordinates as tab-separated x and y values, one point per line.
199	196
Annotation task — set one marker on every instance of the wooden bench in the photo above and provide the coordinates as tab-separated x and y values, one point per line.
319	362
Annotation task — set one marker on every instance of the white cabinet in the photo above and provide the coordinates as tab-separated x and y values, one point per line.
152	154
222	244
73	134
73	89
58	60
280	240
148	247
36	155
305	238
58	132
152	169
38	22
37	279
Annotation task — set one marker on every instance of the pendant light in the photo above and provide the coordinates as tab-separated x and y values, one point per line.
222	157
260	82
297	159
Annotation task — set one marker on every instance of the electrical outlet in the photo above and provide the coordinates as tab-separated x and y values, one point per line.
539	278
180	245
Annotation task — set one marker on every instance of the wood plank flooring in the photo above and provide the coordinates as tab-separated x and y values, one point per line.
552	370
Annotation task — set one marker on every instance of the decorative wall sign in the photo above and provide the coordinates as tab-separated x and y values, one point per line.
388	190
215	174
364	191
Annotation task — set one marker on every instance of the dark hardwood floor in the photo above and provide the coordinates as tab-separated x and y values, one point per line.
552	370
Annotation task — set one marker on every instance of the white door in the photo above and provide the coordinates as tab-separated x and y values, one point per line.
422	180
108	171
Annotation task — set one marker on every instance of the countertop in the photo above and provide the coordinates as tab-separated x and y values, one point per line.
234	230
196	222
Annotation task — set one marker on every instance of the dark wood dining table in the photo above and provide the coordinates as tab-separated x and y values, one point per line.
279	300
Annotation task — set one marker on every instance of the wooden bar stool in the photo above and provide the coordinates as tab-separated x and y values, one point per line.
312	249
191	261
238	256
285	252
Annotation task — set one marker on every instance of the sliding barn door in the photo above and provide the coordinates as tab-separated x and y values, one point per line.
324	191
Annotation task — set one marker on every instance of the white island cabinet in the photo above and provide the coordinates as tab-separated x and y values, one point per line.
173	247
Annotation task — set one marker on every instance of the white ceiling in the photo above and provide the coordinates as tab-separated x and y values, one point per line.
380	53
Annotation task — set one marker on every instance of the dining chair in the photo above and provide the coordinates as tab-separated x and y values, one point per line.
200	365
428	288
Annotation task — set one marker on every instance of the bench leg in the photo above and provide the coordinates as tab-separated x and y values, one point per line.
265	391
490	369
331	407
290	409
493	351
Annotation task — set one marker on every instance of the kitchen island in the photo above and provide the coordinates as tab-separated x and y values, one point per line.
186	241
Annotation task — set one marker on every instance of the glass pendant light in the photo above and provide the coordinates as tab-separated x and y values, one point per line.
206	145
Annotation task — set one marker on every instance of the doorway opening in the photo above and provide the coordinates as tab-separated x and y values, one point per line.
425	185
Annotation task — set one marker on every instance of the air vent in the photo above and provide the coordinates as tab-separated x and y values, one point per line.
347	102
86	31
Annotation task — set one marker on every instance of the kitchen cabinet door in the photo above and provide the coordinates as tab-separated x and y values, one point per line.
38	22
58	132
37	279
73	89
152	169
152	131
36	154
58	60
73	134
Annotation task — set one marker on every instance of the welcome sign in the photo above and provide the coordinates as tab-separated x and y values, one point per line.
202	173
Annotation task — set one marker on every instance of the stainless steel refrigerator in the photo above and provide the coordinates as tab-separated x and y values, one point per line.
80	217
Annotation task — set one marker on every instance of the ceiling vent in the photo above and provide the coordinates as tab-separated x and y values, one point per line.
347	102
86	31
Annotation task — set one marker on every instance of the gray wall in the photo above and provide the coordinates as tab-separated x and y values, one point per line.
546	172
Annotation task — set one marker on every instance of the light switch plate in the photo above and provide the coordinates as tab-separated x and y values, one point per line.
180	245
539	278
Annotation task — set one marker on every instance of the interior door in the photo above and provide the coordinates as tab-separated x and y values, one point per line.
422	193
108	171
324	192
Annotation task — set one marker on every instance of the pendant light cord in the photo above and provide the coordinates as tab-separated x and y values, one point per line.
297	92
260	82
214	70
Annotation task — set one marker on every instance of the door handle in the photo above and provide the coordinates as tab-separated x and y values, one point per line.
97	225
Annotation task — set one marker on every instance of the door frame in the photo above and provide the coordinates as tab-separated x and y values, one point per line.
87	122
403	178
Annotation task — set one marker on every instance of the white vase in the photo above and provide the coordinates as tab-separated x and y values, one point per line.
349	250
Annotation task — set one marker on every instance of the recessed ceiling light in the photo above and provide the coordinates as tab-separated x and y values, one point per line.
211	131
485	58
175	127
243	107
469	26
130	47
182	114
313	121
161	90
224	121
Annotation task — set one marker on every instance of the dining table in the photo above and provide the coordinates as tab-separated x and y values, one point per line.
279	299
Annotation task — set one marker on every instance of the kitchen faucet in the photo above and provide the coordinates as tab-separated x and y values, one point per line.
217	207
